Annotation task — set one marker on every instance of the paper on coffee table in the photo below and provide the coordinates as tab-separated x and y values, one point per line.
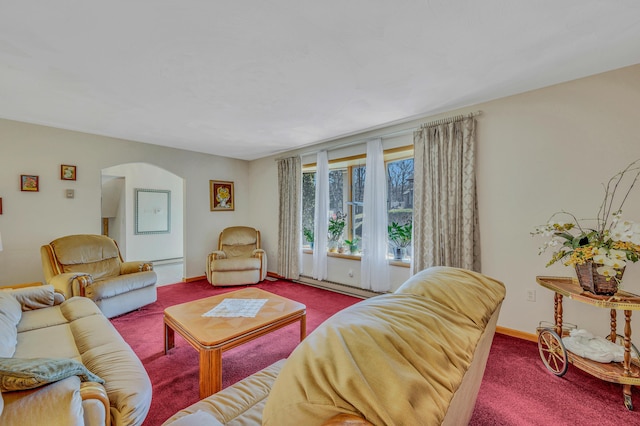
248	308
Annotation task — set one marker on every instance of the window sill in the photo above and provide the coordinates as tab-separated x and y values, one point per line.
400	263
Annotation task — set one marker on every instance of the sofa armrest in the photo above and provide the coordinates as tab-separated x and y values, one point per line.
60	401
262	255
71	284
135	266
95	403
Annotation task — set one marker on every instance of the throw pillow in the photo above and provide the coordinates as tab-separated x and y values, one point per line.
29	373
35	297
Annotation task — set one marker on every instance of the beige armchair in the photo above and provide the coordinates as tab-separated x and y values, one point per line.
92	266
239	259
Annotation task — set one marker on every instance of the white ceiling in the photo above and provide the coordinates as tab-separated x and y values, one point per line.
251	78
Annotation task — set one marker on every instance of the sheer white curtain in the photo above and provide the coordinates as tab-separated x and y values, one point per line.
445	224
289	237
321	217
374	265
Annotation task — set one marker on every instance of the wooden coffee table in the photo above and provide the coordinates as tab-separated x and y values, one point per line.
211	336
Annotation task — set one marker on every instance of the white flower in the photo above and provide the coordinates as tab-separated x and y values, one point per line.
618	254
607	271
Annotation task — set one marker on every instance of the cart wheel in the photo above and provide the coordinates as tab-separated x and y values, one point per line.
628	403
552	351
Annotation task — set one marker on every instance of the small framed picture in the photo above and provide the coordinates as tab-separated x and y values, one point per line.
67	172
0	205
29	183
221	195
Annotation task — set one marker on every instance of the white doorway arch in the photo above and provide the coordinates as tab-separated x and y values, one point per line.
119	185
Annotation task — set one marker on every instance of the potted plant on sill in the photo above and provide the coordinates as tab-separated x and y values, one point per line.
308	235
336	226
399	238
353	245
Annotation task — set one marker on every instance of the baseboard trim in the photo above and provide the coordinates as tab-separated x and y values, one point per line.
337	287
191	279
517	333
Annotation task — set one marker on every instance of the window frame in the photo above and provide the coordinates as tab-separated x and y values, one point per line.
348	163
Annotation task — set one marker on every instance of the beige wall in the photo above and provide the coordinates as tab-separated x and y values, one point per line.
32	219
538	153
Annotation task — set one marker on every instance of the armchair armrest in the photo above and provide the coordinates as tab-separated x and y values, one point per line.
217	254
258	253
135	266
71	284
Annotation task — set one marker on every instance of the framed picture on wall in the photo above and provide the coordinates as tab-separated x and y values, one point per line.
67	172
29	183
221	196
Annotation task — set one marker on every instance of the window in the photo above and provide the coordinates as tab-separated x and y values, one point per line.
346	190
308	206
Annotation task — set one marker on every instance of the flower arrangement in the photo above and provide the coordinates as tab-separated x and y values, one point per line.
336	226
609	244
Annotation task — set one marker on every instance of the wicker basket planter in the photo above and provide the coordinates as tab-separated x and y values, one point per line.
591	280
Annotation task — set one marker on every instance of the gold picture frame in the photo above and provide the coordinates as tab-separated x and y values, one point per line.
221	196
67	172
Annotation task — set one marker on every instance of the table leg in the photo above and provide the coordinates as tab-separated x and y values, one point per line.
627	344
210	372
303	327
169	338
557	302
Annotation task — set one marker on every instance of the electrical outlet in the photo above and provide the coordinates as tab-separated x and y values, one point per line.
350	273
531	295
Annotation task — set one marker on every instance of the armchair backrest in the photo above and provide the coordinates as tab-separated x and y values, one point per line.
97	255
239	241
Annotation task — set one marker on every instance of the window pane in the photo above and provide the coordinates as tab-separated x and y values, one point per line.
338	198
400	193
308	204
357	196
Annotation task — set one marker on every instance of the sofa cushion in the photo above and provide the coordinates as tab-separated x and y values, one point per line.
115	286
10	315
239	404
93	254
236	264
28	373
367	361
239	250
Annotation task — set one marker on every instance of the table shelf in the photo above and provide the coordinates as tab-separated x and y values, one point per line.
627	372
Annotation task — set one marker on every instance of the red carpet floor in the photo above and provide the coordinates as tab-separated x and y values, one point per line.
175	376
517	389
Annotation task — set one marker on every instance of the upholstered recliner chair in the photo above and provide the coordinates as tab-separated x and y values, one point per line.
239	259
92	266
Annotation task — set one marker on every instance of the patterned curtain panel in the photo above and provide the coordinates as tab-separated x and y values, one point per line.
445	230
289	237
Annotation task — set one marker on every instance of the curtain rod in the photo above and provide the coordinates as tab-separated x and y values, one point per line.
387	135
450	119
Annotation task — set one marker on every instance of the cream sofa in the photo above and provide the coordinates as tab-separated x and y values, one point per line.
413	357
76	348
92	266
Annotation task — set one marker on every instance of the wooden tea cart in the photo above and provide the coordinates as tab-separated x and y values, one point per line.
557	358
